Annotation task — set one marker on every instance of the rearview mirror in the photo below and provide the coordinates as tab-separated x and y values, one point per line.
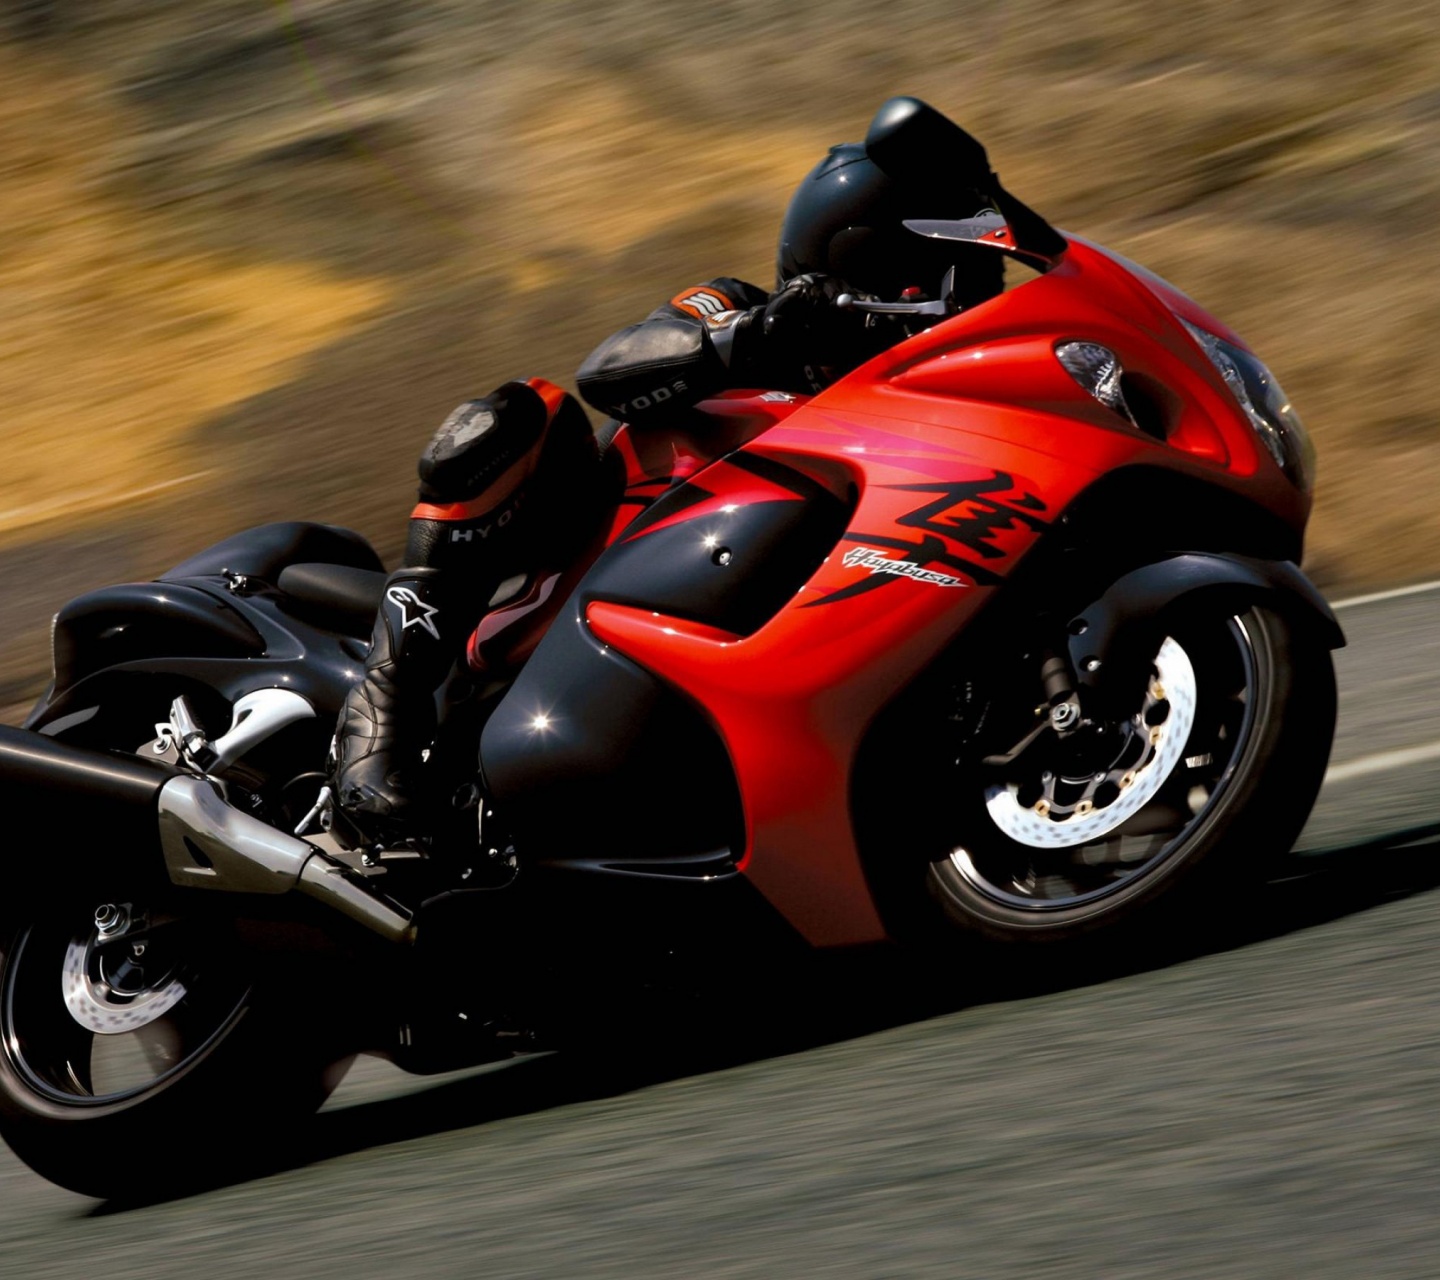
912	142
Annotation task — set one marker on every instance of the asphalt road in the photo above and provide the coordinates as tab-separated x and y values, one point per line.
1267	1108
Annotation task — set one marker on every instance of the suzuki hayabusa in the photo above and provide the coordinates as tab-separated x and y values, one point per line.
999	639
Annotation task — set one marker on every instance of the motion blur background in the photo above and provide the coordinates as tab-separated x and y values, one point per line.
253	250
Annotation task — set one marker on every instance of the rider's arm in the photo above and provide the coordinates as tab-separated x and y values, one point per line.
685	350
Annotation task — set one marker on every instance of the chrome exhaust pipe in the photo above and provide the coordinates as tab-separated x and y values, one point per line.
208	844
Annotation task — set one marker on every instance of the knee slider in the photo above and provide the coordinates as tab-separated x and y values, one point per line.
480	441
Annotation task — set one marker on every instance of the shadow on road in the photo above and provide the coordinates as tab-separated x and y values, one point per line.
831	1000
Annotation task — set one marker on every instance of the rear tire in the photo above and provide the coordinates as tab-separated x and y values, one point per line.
134	1067
215	1055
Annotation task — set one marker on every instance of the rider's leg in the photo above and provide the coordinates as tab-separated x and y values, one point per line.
479	475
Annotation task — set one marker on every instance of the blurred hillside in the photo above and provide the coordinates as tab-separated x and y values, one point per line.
255	249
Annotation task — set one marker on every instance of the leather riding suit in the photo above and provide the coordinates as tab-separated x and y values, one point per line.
515	467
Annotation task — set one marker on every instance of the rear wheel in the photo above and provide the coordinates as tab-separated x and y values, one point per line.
1217	767
143	1042
140	1047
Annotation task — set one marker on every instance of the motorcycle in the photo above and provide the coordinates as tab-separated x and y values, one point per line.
999	640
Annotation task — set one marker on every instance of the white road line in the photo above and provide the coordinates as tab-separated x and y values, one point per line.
1375	596
1382	762
1401	757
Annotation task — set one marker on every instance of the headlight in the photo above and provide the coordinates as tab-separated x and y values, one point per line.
1265	404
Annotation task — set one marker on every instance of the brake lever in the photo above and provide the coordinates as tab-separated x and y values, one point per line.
944	305
939	307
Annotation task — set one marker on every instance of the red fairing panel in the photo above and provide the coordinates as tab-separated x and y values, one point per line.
964	444
992	372
656	460
793	700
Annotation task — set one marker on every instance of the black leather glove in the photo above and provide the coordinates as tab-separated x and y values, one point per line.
804	333
803	315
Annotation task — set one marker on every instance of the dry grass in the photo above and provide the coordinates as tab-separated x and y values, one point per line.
113	346
271	242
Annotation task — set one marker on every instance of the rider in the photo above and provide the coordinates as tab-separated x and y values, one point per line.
497	465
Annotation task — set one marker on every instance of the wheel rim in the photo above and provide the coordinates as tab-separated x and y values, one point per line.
92	1016
1029	854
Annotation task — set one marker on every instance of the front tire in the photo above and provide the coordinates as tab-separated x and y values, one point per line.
1042	860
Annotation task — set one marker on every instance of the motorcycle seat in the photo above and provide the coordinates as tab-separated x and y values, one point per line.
339	597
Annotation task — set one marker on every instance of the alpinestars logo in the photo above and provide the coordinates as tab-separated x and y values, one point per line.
879	562
414	612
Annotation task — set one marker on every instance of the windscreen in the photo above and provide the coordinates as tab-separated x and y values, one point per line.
993	230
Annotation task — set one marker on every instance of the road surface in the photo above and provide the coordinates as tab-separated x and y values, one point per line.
1270	1108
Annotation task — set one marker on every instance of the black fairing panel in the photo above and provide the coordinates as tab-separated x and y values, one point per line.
679	569
598	759
144	620
130	648
593	758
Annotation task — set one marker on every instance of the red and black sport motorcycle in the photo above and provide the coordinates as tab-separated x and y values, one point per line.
1000	637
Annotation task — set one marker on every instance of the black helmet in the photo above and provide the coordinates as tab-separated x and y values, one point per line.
846	217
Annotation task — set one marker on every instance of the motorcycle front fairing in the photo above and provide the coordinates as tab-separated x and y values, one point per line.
715	673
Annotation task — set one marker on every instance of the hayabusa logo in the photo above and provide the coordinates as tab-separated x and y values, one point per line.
879	562
968	514
414	612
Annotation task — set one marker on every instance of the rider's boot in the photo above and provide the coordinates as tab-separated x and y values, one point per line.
497	483
388	716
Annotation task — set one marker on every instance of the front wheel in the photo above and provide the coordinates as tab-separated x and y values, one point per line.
139	1046
1143	818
